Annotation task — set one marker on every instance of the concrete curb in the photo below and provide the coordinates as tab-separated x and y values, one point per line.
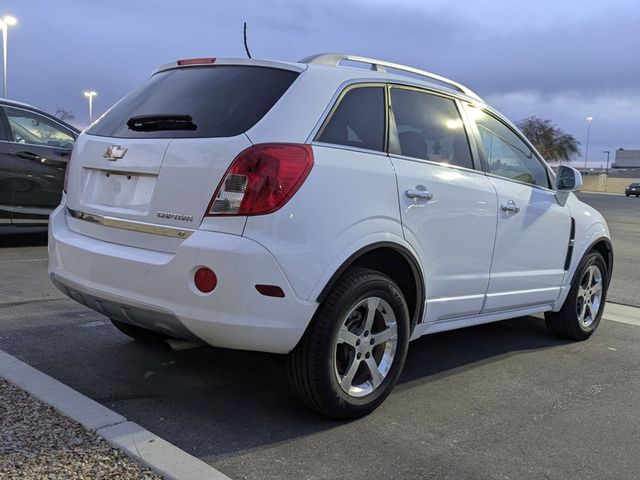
622	313
137	442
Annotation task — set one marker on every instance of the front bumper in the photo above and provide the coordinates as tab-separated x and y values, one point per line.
155	289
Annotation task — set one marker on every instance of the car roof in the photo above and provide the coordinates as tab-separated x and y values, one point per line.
6	101
331	66
14	103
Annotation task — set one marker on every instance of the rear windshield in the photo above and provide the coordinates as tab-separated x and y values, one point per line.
222	101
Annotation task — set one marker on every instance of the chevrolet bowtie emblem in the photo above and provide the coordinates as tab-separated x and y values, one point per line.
114	152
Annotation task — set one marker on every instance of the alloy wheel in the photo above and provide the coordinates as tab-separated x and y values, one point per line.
589	296
365	346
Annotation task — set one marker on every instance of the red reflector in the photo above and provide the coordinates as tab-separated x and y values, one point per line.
196	61
205	280
270	290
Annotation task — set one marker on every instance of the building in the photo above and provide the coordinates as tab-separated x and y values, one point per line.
627	158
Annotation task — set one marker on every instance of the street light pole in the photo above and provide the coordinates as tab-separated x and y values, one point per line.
586	151
90	96
606	178
6	22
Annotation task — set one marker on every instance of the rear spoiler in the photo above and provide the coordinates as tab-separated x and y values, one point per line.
208	61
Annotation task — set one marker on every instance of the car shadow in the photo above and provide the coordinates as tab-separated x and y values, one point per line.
215	402
30	239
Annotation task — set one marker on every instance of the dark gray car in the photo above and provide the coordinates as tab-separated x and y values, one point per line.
34	150
632	189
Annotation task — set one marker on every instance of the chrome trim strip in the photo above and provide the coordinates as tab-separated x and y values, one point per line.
521	292
131	224
449	299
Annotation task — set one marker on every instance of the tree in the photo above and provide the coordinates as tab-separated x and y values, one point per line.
63	114
549	139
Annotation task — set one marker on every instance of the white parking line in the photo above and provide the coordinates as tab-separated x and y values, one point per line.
139	443
622	313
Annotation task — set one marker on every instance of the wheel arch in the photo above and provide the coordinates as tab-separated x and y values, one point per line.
604	247
394	260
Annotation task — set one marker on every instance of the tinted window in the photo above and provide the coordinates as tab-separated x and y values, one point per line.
358	121
223	101
33	129
506	154
429	127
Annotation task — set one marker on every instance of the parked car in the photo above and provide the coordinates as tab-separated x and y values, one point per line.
329	213
632	189
34	150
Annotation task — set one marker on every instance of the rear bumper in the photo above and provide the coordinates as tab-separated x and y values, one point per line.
155	289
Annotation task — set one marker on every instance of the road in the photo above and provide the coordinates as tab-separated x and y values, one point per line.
623	217
504	400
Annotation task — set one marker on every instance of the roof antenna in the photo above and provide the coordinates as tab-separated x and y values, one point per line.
246	47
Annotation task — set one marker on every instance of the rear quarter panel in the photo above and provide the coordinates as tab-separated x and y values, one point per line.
349	200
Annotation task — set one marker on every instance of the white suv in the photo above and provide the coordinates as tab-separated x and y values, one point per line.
327	212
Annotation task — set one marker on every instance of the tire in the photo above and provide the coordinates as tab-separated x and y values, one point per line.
339	348
139	333
577	319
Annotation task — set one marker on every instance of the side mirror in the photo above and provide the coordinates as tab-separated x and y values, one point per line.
568	179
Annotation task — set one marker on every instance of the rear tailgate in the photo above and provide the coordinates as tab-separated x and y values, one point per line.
125	173
160	181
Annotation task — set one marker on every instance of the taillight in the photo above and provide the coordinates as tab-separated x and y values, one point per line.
262	179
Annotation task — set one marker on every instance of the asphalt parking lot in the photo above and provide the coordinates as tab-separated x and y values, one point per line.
505	400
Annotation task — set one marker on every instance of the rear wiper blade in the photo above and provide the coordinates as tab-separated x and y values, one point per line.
163	121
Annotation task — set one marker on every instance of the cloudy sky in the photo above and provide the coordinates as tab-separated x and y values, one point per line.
557	59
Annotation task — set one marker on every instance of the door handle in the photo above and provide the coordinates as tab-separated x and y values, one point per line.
510	206
419	192
28	156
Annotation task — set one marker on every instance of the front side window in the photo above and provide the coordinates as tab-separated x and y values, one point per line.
358	121
33	129
429	127
506	154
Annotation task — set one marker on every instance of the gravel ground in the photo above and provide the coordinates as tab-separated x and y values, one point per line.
36	442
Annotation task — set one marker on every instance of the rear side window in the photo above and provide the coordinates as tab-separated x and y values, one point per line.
429	127
358	121
222	101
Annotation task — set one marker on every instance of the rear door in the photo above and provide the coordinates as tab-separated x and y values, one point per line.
533	228
158	155
41	148
6	176
448	206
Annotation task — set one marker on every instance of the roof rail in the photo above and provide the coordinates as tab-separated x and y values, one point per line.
334	60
